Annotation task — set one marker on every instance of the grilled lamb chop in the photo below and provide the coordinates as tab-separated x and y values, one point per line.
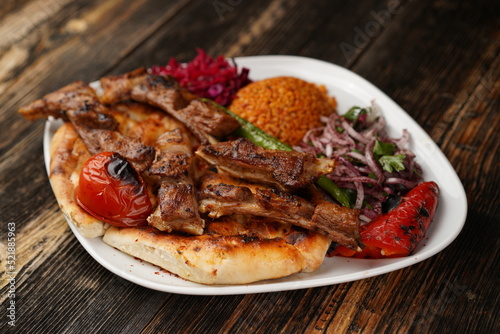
173	155
285	170
339	223
222	195
203	119
118	88
75	96
103	140
178	207
164	89
79	104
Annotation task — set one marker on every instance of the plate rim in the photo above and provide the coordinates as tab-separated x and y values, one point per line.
289	283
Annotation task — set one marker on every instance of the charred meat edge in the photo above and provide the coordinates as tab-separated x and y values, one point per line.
286	170
78	103
178	207
203	119
222	195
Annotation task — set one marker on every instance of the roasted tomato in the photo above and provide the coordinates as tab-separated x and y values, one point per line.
111	190
398	232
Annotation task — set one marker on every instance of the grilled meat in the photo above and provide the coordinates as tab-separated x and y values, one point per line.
173	155
285	170
177	210
102	140
161	91
222	195
75	96
118	88
203	119
139	85
79	104
178	207
339	223
256	170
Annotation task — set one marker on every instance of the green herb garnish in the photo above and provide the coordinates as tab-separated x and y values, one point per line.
381	148
390	163
354	113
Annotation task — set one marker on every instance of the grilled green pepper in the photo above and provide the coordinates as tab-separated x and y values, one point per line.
263	139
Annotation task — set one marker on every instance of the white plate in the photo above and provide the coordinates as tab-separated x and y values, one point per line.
349	90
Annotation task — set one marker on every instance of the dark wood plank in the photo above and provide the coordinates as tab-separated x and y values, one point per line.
440	97
438	60
58	57
77	44
70	43
254	28
417	71
9	6
116	300
412	86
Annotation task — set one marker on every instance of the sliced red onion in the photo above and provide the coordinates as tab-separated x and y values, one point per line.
360	195
358	156
356	168
356	179
395	180
370	161
378	126
354	134
402	143
365	218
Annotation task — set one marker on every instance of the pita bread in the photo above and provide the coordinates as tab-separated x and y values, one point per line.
231	251
237	257
67	156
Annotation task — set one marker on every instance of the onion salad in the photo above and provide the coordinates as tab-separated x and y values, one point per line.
371	166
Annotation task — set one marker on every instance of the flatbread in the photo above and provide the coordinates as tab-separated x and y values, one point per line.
67	155
231	251
236	257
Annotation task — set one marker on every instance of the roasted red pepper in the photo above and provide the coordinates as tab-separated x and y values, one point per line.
398	232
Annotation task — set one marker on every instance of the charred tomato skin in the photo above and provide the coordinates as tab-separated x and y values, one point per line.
398	232
111	190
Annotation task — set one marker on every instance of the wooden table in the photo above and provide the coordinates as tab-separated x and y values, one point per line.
439	60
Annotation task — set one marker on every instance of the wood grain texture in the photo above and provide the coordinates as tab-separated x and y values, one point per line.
438	59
